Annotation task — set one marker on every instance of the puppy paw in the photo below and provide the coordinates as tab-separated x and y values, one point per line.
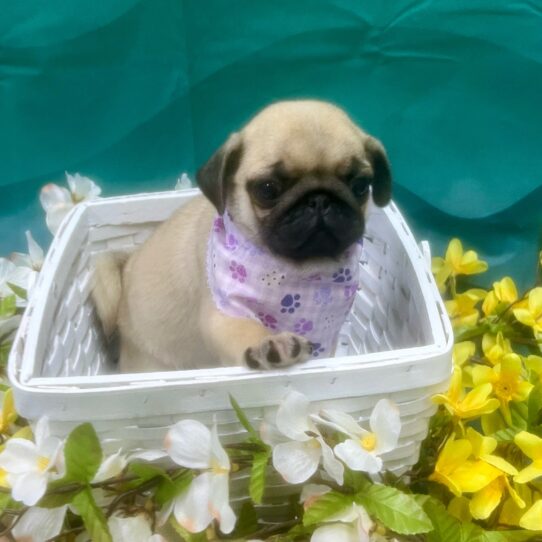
278	351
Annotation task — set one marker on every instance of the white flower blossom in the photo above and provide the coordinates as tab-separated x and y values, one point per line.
39	524
298	446
190	444
30	465
132	529
362	451
58	201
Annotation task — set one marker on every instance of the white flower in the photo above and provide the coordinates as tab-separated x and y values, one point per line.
39	524
183	182
298	446
18	276
132	529
361	452
351	525
57	201
30	465
190	444
111	467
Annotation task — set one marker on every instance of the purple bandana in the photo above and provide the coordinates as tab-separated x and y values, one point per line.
248	281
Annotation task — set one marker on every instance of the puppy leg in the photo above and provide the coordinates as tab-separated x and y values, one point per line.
241	341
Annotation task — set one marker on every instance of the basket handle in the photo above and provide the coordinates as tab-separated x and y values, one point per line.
425	248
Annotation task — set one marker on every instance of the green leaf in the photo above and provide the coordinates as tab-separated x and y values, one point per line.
169	489
21	292
398	511
5	501
326	506
8	306
93	517
247	522
145	471
257	475
5	349
506	435
534	417
446	528
185	535
83	454
54	500
243	419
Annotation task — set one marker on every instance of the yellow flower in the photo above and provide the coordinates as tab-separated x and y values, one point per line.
488	498
462	352
495	347
511	513
8	414
460	474
504	293
456	262
534	364
506	380
531	446
466	405
532	519
461	308
531	314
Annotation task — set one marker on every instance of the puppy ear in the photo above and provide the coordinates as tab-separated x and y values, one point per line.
214	177
382	172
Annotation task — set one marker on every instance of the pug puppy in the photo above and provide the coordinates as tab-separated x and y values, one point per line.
294	185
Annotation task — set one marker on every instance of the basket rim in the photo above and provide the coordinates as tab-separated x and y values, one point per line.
29	337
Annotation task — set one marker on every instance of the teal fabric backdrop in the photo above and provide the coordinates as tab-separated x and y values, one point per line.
132	93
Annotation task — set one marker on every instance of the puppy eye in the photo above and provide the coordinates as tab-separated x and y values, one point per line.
267	191
360	186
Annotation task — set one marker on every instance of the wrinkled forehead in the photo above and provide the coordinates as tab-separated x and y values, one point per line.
301	143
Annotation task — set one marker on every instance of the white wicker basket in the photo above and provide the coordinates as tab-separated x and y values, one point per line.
396	344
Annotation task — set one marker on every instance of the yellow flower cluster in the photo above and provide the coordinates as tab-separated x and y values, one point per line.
491	460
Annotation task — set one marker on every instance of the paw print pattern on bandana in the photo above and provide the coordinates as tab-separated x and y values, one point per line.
290	303
322	296
218	224
303	326
342	275
317	349
231	242
268	320
238	271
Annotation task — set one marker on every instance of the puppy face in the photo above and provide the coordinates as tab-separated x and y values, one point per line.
297	179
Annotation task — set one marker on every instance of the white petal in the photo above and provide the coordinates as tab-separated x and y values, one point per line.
269	432
219	457
310	492
188	443
38	524
293	416
163	514
365	523
192	507
297	461
111	467
56	215
386	425
35	252
340	421
157	538
19	456
82	188
6	268
23	277
356	458
330	463
41	431
28	488
52	195
147	455
134	529
20	260
219	503
338	532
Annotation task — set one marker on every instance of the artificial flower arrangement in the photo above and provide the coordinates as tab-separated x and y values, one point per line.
478	478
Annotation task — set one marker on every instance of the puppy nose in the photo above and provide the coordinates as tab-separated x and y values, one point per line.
319	202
